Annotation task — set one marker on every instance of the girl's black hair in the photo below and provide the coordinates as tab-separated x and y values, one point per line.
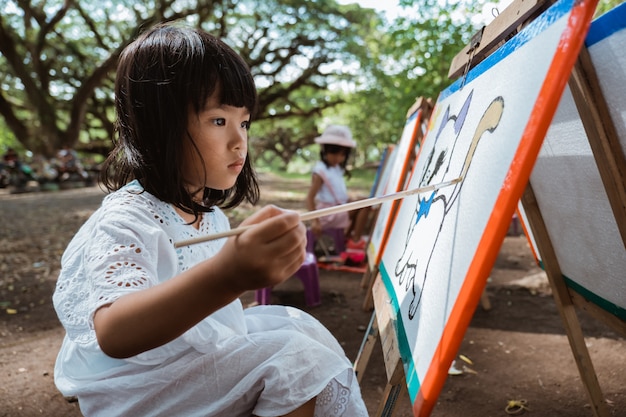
166	72
330	148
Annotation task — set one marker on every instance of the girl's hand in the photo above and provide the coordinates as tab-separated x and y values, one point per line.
262	256
268	253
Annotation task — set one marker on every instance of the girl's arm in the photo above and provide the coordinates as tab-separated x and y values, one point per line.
316	185
262	256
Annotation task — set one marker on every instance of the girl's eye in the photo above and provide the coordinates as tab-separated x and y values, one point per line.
219	122
246	125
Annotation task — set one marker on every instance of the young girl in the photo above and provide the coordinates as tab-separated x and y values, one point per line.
157	331
328	187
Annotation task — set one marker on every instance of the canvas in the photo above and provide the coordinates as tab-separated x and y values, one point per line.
487	128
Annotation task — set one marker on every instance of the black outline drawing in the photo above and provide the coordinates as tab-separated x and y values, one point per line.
439	202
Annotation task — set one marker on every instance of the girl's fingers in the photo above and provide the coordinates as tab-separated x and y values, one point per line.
287	266
270	224
289	245
277	241
265	213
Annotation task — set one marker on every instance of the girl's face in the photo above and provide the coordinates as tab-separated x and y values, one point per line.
335	158
220	133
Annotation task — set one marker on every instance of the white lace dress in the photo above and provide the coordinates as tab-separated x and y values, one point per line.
265	360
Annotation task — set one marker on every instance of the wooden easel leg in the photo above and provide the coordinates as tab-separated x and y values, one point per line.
564	304
391	394
368	300
366	278
396	379
581	353
367	346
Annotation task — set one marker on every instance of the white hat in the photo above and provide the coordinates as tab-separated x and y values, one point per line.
337	135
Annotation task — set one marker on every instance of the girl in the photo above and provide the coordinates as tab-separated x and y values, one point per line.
156	331
328	187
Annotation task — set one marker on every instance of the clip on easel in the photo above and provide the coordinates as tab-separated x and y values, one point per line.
490	37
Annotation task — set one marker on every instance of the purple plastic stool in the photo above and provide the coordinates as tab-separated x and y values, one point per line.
309	275
308	272
337	234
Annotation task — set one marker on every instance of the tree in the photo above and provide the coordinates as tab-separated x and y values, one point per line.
410	59
299	53
315	63
59	57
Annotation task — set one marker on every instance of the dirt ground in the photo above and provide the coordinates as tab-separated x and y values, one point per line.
518	347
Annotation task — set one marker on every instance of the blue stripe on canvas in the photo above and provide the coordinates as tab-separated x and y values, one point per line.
604	26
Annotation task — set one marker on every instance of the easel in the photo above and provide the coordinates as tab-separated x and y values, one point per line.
383	324
368	282
611	162
371	273
425	106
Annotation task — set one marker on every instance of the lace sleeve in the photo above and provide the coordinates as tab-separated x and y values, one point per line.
126	246
123	248
129	251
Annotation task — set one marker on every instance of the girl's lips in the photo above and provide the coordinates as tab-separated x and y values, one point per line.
237	164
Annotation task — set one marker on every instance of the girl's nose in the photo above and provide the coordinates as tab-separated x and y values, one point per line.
239	138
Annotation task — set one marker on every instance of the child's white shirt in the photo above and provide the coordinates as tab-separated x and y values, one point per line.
332	178
263	360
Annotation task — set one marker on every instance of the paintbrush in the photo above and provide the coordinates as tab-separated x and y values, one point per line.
368	202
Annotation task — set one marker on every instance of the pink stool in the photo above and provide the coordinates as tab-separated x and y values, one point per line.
309	275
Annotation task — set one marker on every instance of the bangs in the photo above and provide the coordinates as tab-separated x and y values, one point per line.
237	87
226	72
331	148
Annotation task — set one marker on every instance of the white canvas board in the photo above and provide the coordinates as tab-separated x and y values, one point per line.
569	190
436	235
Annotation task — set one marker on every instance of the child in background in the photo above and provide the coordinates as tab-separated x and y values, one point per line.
152	330
328	187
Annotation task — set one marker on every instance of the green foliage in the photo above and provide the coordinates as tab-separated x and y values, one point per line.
606	5
408	58
58	62
361	180
55	60
315	63
7	139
